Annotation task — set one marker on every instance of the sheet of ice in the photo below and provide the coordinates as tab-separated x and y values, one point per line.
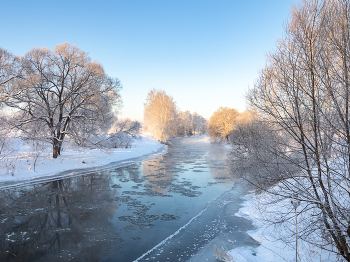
71	158
214	226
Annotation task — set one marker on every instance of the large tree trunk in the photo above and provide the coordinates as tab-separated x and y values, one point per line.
55	149
59	147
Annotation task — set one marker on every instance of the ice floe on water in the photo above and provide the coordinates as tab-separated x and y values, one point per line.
213	226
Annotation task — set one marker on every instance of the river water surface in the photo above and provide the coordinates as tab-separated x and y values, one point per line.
172	208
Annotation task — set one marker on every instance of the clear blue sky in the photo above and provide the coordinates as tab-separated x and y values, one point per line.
203	53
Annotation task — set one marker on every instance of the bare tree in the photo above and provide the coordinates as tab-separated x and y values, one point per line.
187	120
187	124
10	68
10	71
221	123
159	114
127	126
122	134
199	124
302	98
62	92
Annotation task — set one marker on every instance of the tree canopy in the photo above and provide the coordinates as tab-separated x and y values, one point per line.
302	136
159	114
221	123
61	92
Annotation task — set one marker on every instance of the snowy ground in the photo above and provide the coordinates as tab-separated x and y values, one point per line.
20	165
271	249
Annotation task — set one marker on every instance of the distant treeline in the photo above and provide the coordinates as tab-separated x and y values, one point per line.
163	120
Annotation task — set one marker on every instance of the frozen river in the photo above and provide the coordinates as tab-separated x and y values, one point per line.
173	208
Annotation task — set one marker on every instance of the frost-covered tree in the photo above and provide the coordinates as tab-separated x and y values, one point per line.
255	149
178	128
159	114
187	122
221	123
10	71
122	134
302	137
61	92
199	124
10	68
127	126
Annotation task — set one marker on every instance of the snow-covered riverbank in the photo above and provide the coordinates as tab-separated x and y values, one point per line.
20	165
270	248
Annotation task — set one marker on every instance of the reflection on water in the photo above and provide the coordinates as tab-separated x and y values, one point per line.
57	220
191	156
159	174
114	215
218	166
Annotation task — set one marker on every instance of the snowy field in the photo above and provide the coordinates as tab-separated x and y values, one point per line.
271	249
26	163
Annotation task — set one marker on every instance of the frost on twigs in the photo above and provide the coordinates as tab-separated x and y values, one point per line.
159	114
121	135
163	120
221	124
299	145
52	94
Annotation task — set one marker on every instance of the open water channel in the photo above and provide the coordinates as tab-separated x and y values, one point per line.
176	207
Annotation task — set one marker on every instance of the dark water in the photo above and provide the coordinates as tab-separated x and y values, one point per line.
121	214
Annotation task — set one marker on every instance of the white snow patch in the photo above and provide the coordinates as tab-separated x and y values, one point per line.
271	249
72	158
